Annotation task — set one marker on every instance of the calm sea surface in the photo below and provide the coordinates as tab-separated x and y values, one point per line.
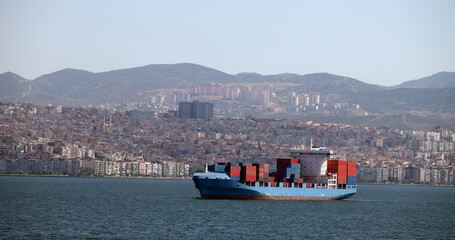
62	208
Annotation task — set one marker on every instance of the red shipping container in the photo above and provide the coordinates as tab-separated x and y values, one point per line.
248	168
285	161
233	170
236	168
272	179
250	178
342	178
338	171
343	165
332	162
352	167
258	165
300	180
337	164
249	173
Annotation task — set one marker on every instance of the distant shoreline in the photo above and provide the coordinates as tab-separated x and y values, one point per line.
407	184
69	176
189	178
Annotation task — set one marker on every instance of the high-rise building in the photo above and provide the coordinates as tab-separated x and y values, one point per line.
316	99
183	96
140	114
196	109
185	109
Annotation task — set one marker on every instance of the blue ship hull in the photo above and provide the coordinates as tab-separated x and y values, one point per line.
218	185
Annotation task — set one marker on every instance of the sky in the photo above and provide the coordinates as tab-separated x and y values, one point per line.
383	42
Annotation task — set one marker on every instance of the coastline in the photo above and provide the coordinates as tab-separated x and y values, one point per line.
189	178
69	176
406	184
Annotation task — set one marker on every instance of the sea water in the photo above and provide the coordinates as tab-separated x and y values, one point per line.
106	208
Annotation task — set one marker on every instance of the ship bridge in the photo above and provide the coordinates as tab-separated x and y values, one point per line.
314	153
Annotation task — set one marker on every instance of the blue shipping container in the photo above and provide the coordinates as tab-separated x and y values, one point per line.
295	175
235	178
294	165
288	171
351	180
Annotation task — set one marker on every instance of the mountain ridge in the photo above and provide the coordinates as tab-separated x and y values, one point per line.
95	88
77	87
98	87
437	80
12	85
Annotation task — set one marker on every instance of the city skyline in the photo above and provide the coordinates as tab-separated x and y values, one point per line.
107	141
380	42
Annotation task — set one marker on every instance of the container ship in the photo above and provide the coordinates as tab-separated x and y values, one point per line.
307	175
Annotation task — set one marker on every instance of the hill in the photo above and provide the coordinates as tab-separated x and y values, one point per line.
99	87
12	86
73	85
407	99
430	98
438	80
328	83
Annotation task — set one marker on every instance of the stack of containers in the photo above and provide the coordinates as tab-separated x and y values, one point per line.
340	167
233	172
272	174
248	174
351	173
282	165
288	170
292	172
262	172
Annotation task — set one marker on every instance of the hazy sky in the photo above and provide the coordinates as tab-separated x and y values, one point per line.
375	41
